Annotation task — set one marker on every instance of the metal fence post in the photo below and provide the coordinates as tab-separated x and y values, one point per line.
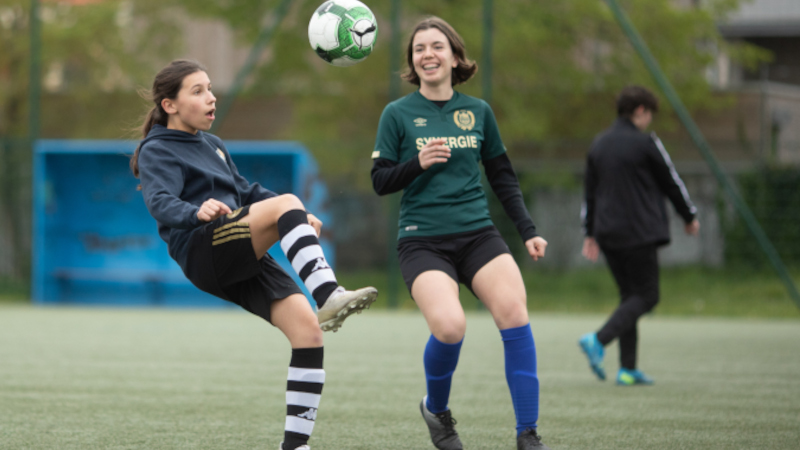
705	150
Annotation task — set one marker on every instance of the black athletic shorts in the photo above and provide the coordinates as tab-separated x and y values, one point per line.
459	255
222	262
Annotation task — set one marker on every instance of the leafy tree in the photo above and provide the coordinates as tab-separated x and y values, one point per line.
103	47
556	69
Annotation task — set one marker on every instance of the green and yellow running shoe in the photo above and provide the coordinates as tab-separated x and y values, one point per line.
626	377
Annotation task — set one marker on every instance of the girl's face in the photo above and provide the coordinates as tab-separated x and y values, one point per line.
433	58
193	108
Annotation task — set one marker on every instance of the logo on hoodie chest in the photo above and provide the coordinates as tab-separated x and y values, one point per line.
221	155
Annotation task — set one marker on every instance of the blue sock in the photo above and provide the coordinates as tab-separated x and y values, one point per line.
440	362
521	375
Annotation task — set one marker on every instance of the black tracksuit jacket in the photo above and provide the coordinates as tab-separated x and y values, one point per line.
628	174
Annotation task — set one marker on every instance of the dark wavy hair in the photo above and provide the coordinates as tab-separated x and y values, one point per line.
167	84
632	97
466	67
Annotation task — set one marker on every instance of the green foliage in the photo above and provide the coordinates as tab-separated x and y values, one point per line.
773	194
103	47
86	50
13	290
557	67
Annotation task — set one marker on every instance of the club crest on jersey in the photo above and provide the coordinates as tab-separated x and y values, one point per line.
420	122
464	119
220	154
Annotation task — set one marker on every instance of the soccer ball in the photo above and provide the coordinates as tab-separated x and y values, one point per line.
342	32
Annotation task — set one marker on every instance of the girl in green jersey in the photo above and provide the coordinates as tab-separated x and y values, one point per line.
430	144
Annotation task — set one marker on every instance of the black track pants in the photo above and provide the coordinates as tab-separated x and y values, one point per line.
636	273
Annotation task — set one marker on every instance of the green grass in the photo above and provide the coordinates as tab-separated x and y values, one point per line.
94	378
685	291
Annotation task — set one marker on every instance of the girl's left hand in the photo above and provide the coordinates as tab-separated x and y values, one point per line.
536	247
314	222
212	209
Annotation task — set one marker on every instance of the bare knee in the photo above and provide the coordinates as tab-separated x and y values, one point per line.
295	318
306	335
265	214
511	314
289	202
314	338
449	332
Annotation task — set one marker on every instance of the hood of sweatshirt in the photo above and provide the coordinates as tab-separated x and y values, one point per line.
164	133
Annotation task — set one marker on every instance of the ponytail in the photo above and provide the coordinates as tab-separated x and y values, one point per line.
153	117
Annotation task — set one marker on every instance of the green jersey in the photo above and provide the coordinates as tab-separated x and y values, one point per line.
448	197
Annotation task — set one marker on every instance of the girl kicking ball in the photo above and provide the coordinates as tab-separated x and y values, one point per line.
218	228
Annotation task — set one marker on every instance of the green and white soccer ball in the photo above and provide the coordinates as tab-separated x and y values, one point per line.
343	32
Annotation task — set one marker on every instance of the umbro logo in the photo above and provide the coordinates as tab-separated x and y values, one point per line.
420	122
311	414
320	264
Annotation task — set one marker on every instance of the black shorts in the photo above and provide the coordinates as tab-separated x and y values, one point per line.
222	262
460	255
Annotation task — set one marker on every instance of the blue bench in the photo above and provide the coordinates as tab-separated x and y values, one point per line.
95	242
154	281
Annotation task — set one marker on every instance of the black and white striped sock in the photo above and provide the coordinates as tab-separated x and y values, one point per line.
303	392
300	244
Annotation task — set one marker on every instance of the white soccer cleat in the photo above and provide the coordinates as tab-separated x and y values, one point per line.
342	304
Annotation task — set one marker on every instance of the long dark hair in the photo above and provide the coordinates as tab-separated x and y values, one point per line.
466	67
167	84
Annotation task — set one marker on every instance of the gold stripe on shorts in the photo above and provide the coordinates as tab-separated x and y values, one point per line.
231	238
231	225
230	232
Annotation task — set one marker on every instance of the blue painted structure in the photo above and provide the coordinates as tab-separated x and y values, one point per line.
94	241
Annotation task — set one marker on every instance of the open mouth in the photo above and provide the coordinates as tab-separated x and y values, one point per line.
210	114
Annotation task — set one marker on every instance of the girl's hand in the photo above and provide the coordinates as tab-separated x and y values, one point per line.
433	152
591	250
314	222
692	228
211	210
536	247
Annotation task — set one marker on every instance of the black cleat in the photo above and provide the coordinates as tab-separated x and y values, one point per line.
529	440
441	427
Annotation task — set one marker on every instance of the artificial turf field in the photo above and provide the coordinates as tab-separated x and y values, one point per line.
83	378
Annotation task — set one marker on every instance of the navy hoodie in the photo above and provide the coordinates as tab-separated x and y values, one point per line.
179	171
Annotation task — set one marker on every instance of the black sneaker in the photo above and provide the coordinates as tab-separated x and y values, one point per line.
529	440
442	428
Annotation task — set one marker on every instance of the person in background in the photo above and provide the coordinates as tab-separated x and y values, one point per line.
628	175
